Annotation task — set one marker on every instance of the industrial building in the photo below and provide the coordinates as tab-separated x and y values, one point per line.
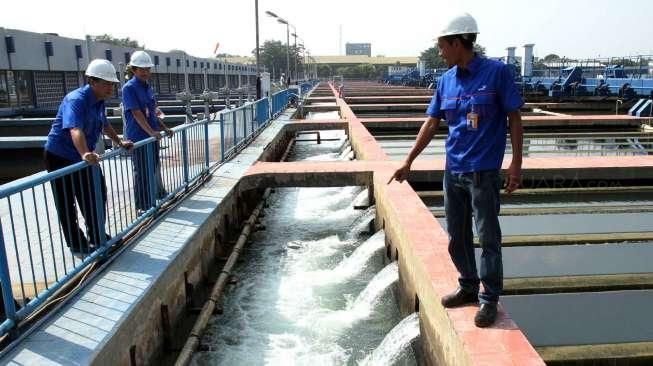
358	49
37	70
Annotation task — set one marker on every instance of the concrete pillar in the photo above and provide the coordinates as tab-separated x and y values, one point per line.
527	60
510	58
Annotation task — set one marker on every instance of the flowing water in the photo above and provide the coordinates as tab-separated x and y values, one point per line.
396	346
312	287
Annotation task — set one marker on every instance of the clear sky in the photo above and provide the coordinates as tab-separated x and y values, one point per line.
572	28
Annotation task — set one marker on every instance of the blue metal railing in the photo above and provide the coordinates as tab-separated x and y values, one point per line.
53	225
279	101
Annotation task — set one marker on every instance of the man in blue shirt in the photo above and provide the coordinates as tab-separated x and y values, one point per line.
142	122
75	131
479	100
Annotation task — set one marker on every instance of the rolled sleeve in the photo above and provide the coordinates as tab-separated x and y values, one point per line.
72	114
509	96
129	99
434	107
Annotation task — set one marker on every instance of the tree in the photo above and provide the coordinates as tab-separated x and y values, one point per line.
432	59
552	57
480	50
272	55
324	71
362	71
125	42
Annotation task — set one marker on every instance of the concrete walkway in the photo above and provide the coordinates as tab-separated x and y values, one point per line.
109	313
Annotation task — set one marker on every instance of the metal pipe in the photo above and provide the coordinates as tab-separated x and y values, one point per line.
207	310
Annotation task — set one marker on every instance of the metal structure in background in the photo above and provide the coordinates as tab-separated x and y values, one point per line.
35	262
626	78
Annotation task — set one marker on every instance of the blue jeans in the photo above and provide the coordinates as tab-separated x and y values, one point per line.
475	194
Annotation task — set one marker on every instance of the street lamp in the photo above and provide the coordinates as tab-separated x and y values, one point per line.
258	64
303	63
294	34
283	21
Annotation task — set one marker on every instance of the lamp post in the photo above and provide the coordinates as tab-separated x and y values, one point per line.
303	62
258	64
294	34
283	21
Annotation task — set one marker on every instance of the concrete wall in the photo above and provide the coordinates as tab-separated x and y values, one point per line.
191	267
439	343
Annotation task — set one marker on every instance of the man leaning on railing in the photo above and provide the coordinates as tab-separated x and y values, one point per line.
141	122
79	122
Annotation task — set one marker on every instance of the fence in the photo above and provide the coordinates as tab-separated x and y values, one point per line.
53	225
279	101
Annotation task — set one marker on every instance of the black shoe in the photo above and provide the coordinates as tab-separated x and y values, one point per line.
486	315
459	298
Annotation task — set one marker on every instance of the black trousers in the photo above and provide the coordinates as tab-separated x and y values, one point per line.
72	190
142	170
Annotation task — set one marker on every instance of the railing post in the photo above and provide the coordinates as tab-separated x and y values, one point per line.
207	160
99	204
151	172
269	109
268	105
184	154
221	136
252	114
244	112
234	118
5	283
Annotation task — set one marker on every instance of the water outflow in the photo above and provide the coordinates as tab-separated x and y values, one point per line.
346	154
366	304
363	222
370	297
397	344
362	200
354	264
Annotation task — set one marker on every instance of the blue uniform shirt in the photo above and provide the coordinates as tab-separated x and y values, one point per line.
138	95
79	109
487	88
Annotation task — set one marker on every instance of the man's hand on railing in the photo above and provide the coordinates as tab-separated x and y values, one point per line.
169	132
126	144
156	135
91	158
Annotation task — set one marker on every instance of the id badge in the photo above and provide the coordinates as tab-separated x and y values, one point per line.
472	121
147	113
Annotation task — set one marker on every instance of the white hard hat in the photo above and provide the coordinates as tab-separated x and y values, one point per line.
141	59
102	69
459	24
